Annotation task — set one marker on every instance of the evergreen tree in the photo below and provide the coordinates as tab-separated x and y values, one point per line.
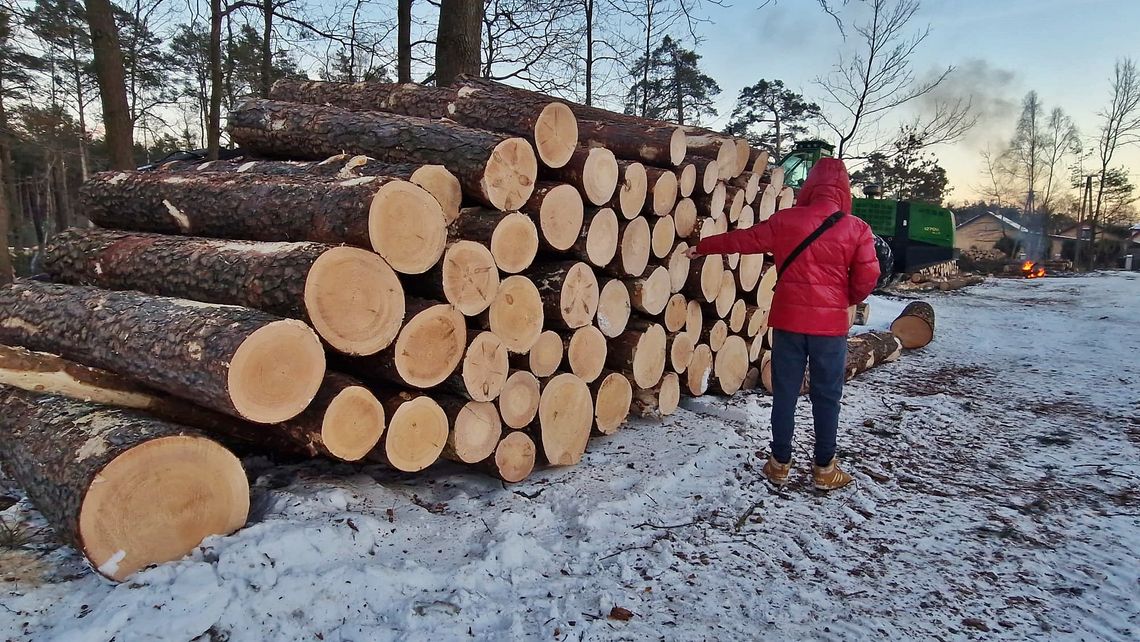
909	174
676	88
771	116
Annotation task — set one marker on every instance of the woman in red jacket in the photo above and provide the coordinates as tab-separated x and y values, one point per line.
809	310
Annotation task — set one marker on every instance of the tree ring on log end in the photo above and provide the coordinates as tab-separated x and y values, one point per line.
516	313
687	180
514	243
565	416
731	365
600	175
510	174
157	501
612	403
676	313
664	235
665	193
546	354
634	188
699	370
555	134
353	423
485	367
560	216
416	435
678	146
276	372
514	457
613	308
519	400
407	227
636	242
470	277
444	186
669	394
602	237
586	353
649	358
578	300
430	346
354	300
476	431
685	217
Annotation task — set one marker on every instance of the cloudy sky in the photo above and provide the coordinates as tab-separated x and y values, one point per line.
1063	49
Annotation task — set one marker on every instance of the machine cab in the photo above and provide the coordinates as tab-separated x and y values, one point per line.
802	158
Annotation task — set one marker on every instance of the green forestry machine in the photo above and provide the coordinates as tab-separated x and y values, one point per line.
919	235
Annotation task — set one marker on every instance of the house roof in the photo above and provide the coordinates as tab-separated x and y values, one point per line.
1003	220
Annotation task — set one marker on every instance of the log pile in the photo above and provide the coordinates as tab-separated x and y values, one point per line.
394	273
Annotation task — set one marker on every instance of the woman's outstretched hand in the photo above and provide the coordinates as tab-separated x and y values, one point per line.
692	253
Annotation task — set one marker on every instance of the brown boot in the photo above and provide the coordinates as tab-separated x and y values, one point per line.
775	472
829	477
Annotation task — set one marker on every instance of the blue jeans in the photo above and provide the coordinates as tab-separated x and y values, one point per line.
827	359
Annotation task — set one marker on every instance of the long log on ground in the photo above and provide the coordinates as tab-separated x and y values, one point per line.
417	431
438	182
548	125
860	313
640	354
558	210
426	352
513	459
350	296
125	489
915	325
343	422
476	429
699	372
659	401
958	283
519	400
598	242
497	170
544	357
569	292
586	351
467	277
242	362
565	417
730	366
592	170
632	189
869	349
512	236
402	222
613	395
614	308
483	372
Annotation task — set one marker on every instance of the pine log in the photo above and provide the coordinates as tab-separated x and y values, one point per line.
679	266
681	346
569	292
498	171
776	178
663	237
705	278
586	351
351	296
749	271
730	366
758	161
614	308
708	174
438	182
712	204
685	217
519	400
737	317
867	350
598	242
694	319
427	351
238	361
548	125
402	222
593	171
512	236
663	191
699	372
752	379
766	288
726	295
125	489
686	180
710	144
676	313
715	335
565	417
650	294
544	357
476	429
786	199
959	283
743	155
659	401
634	248
767	204
757	321
613	395
756	349
417	431
467	277
641	354
915	325
483	372
747	218
513	460
516	314
558	210
750	183
632	190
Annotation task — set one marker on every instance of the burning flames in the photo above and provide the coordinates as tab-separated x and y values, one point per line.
1031	270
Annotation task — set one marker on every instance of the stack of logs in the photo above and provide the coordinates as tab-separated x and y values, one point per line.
394	273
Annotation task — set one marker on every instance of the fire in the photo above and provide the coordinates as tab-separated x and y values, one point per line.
1031	270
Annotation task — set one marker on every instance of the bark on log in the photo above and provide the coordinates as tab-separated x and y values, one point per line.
598	242
704	280
402	222
699	372
614	308
659	401
613	395
915	325
569	292
519	400
558	210
867	350
565	417
862	314
632	190
710	144
427	351
592	170
417	431
476	429
548	125
586	351
758	161
512	236
513	460
350	296
640	354
242	362
497	170
959	283
125	489
650	294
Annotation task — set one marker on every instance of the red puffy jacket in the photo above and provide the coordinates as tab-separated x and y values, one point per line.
837	270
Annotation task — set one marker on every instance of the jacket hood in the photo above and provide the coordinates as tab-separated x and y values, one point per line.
827	185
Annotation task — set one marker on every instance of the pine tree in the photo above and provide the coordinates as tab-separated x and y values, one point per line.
771	116
676	88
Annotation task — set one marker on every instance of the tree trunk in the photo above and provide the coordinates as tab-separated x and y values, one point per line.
350	296
547	124
161	488
6	272
593	170
266	48
640	354
513	460
404	41
569	292
511	236
867	350
427	351
915	325
401	222
475	429
497	170
112	83
565	417
458	41
613	395
234	360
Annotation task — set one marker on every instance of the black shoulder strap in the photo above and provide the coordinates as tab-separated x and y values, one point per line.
823	227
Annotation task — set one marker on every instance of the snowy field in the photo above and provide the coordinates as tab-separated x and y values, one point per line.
998	497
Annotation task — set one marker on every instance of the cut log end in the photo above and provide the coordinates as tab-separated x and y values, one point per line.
710	177
738	316
649	357
565	416
578	300
514	457
699	372
586	353
915	325
664	235
731	364
514	243
555	134
635	247
633	190
475	432
354	300
441	184
600	176
407	227
276	372
681	350
516	314
612	399
665	193
669	394
430	346
651	294
678	146
602	237
676	313
470	277
485	367
685	217
416	435
614	308
687	180
518	403
156	502
353	423
694	319
546	354
510	174
726	294
560	217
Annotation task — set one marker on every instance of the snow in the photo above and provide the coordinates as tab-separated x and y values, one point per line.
997	498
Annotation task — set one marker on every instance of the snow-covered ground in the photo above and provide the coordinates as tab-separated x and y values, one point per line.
998	496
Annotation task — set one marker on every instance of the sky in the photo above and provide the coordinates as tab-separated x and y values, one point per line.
1001	49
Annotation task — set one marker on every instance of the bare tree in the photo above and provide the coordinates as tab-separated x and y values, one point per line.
1061	140
1120	128
534	41
878	77
1027	146
112	83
